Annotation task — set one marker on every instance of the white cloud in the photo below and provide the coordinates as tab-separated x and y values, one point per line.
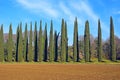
39	6
118	12
67	12
70	15
85	9
65	9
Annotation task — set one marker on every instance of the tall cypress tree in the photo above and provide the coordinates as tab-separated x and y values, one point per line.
35	44
87	42
63	42
51	54
99	47
10	44
30	50
75	42
40	46
67	56
1	45
20	45
56	46
112	41
45	44
25	43
17	41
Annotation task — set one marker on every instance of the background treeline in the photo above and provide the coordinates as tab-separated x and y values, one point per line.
37	46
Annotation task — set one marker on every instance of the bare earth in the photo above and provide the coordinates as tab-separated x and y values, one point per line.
59	71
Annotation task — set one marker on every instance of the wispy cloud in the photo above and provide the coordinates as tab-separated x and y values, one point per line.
39	6
68	12
85	9
117	12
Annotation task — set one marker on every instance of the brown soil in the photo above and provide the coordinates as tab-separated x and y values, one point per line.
59	72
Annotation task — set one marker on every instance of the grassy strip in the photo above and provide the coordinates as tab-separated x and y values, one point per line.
71	62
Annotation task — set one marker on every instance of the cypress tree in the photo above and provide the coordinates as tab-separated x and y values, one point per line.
112	41
75	42
35	44
67	56
77	46
56	46
87	42
45	44
63	42
20	45
25	48
1	45
30	50
99	48
10	44
40	46
51	55
17	41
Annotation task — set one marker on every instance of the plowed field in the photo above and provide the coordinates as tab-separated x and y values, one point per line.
59	72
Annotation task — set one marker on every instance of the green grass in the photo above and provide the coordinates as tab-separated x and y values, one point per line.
93	61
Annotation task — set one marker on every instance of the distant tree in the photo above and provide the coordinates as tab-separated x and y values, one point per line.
1	44
87	42
81	46
35	44
93	47
10	44
99	47
20	45
112	41
75	42
106	49
30	50
51	54
117	39
40	45
25	48
63	42
45	44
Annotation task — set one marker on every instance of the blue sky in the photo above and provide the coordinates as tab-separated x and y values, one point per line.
15	11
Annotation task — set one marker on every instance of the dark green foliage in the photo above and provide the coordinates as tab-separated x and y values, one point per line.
10	44
45	44
63	42
1	45
51	53
87	42
67	56
75	42
35	48
99	46
17	41
30	50
112	41
81	45
35	44
56	46
90	50
20	45
40	51
25	48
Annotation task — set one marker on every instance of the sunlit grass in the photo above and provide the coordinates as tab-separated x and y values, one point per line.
93	61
